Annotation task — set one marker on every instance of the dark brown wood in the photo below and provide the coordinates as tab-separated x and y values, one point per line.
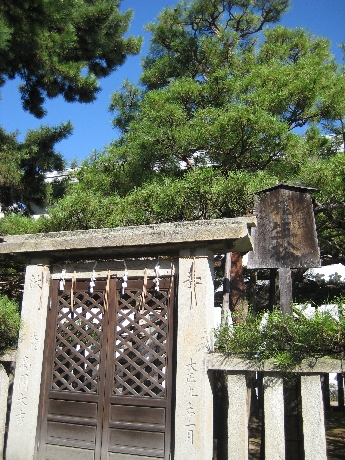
272	291
114	456
70	419
109	372
325	391
140	387
134	401
139	426
53	452
139	414
73	408
130	440
89	397
141	345
226	289
285	289
340	378
252	290
135	452
47	373
74	338
238	305
293	423
107	385
285	236
71	431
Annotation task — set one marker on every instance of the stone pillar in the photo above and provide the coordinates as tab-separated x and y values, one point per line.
194	402
237	417
313	418
27	380
274	418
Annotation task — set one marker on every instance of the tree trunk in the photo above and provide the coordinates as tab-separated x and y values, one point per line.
226	289
285	289
252	296
238	304
340	378
272	292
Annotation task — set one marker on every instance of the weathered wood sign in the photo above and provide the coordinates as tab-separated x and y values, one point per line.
285	236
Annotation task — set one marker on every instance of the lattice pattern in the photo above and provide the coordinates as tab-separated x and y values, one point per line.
77	342
141	342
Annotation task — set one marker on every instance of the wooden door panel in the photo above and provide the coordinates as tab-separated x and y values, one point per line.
74	389
137	414
122	456
52	452
108	382
134	452
72	431
139	389
136	440
73	408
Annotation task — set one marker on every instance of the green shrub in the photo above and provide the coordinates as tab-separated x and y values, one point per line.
9	323
285	339
17	224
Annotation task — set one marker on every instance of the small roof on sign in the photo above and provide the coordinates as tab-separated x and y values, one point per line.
296	188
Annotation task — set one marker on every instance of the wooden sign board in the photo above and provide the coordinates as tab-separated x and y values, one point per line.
285	235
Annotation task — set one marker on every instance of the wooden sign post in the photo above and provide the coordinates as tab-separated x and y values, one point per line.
285	235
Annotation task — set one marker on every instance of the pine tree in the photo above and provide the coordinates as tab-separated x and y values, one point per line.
54	48
62	47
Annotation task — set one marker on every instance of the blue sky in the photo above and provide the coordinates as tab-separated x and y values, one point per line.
92	126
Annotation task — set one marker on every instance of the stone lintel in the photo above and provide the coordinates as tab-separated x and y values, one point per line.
217	235
218	361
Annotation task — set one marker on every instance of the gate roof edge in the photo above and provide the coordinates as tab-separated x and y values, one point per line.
219	235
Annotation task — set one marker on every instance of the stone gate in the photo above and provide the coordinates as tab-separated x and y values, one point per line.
67	410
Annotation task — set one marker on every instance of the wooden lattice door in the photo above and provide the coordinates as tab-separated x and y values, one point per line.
107	385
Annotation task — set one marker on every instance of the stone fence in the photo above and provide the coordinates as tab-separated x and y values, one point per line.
237	371
274	413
